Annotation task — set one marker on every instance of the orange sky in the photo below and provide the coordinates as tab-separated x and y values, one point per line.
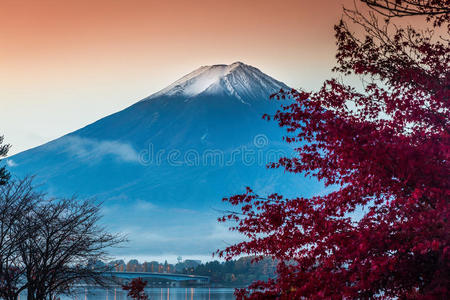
66	63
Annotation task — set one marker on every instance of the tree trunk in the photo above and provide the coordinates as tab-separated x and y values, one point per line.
30	294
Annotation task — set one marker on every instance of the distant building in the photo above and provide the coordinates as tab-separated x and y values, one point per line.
147	267
154	266
133	266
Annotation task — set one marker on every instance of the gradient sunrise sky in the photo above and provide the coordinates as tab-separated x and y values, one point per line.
67	63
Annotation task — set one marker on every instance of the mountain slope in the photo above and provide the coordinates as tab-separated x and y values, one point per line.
162	165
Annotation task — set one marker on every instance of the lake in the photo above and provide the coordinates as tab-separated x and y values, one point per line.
157	294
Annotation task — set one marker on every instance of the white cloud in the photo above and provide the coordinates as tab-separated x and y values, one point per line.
10	163
142	205
92	149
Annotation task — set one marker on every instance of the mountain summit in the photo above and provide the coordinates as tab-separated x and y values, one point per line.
162	165
238	80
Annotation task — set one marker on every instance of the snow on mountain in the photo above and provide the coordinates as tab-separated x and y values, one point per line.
237	79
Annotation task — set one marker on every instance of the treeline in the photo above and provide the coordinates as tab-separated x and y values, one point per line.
153	267
235	273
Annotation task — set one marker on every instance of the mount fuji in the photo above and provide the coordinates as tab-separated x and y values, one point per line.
162	165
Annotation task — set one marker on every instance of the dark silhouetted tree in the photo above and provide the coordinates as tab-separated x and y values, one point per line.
385	152
4	175
17	199
436	10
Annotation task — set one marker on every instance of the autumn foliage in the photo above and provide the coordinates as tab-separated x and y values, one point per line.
384	150
136	289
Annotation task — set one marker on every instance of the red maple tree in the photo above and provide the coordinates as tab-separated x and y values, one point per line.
383	231
136	288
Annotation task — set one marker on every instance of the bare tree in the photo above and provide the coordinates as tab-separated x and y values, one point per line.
16	200
52	243
439	10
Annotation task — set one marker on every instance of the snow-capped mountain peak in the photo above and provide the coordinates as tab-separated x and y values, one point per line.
237	79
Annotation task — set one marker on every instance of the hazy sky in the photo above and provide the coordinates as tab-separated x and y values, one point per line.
65	64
